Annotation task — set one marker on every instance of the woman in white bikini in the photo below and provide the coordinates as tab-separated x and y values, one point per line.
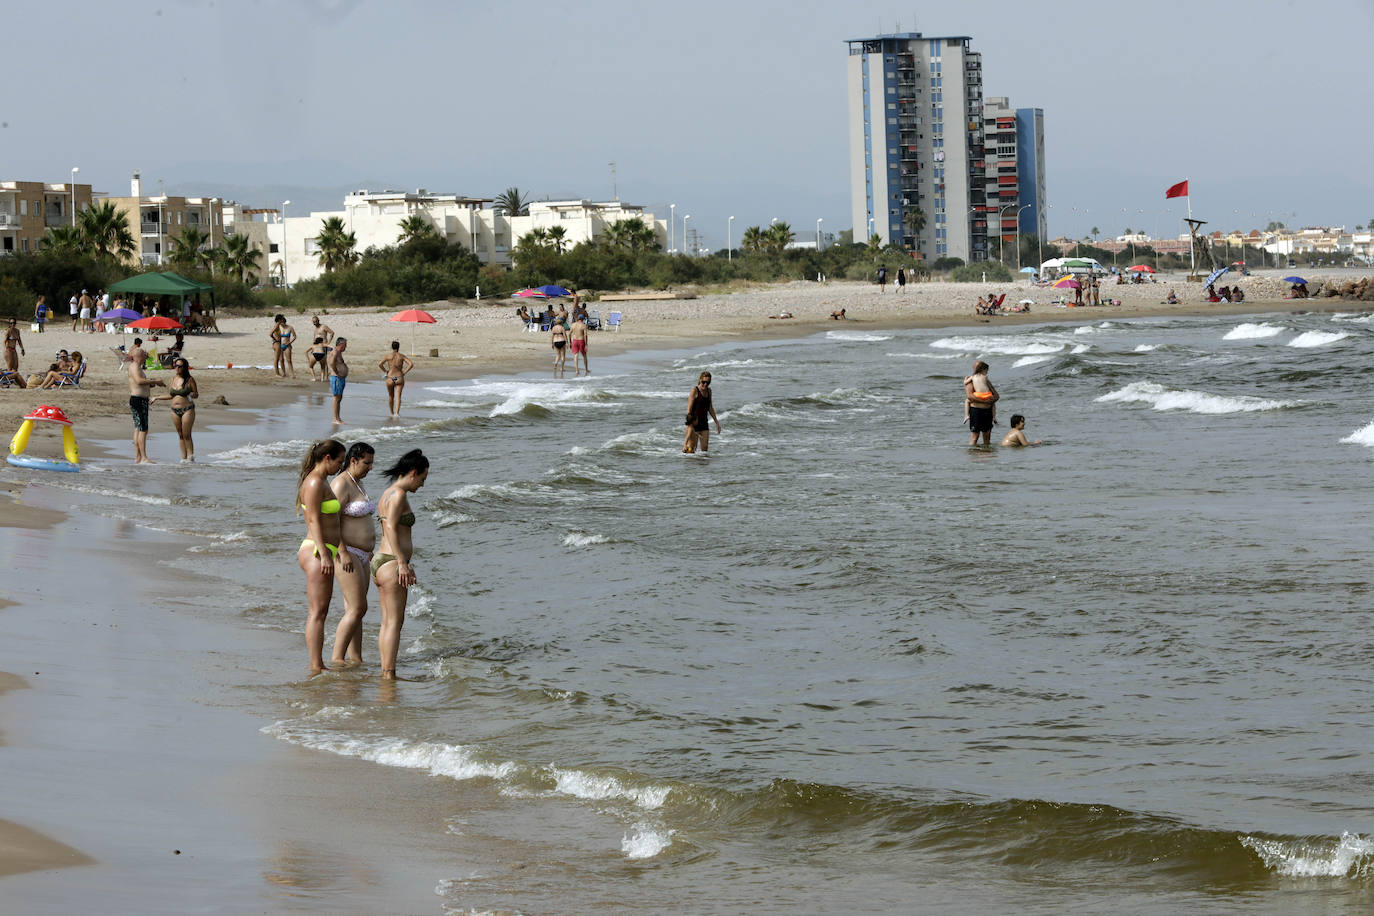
320	548
359	539
391	568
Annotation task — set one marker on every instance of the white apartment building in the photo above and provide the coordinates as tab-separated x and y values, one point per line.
916	141
375	217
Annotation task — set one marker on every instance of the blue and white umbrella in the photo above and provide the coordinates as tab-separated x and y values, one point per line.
1214	275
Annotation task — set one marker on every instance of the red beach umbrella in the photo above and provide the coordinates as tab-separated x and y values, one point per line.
414	316
156	323
1141	268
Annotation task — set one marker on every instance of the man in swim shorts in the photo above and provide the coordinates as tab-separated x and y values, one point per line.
577	337
338	375
979	400
140	386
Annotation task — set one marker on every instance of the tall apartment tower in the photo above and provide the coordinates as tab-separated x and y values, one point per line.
1014	166
916	143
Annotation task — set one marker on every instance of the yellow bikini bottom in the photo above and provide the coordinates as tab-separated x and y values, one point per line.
309	542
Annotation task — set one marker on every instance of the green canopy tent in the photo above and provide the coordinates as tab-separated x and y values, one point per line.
166	283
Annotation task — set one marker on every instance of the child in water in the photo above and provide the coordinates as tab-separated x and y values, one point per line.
1016	436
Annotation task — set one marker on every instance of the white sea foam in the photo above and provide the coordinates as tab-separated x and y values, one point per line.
1030	361
859	336
1310	339
445	519
1352	856
1254	331
1145	348
927	356
438	405
1364	318
644	841
581	784
475	490
1362	436
1085	329
256	455
577	539
452	760
1081	348
1029	345
111	493
1161	398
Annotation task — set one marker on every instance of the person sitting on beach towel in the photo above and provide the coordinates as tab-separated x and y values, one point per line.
1173	299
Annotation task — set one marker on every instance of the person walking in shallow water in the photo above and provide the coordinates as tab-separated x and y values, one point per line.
395	364
699	408
558	339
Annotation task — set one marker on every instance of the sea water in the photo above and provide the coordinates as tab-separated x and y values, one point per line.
847	663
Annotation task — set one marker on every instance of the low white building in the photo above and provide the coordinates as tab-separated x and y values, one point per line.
375	217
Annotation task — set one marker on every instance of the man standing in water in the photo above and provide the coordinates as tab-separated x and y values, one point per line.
577	335
979	400
338	375
698	409
140	386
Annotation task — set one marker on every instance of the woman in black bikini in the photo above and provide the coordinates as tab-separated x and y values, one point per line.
558	335
182	393
391	568
359	537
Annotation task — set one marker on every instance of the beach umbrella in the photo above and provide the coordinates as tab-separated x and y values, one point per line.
1028	270
156	323
1294	280
555	292
530	294
120	315
1214	275
1066	283
1141	268
415	317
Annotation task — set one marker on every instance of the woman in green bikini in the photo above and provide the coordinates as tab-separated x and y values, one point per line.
391	568
320	549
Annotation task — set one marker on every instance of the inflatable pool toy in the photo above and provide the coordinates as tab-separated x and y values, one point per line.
981	396
45	414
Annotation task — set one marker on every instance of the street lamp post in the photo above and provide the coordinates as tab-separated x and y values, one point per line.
818	233
161	232
1018	239
685	217
284	205
729	249
75	169
870	230
672	228
1000	211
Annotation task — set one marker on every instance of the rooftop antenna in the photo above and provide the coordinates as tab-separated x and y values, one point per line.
615	193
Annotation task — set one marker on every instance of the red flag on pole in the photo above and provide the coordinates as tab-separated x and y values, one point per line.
1178	190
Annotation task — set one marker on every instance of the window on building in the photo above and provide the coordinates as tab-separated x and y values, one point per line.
892	106
891	90
312	246
9	243
23	208
271	247
25	244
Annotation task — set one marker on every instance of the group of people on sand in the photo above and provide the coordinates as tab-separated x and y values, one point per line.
980	411
182	392
901	279
328	363
1225	294
341	546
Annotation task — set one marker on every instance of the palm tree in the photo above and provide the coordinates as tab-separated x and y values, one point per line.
186	247
416	227
64	238
558	238
752	240
779	236
105	230
512	202
335	244
914	219
240	256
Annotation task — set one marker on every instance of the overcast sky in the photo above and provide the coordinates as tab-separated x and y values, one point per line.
724	107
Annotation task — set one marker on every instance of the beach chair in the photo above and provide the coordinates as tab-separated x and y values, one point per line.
594	321
7	378
546	321
72	379
613	320
120	354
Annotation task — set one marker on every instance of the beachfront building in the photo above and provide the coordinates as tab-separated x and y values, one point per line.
375	217
28	209
916	144
1013	169
155	220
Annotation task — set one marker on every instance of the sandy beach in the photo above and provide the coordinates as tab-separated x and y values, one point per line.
186	790
484	337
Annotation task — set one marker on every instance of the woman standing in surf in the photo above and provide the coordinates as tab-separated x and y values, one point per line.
391	568
980	399
698	410
320	548
359	537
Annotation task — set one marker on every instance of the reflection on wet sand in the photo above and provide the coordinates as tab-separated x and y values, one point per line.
306	872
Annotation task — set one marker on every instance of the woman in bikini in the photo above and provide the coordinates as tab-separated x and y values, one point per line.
558	335
182	393
359	539
395	364
320	548
13	341
391	568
